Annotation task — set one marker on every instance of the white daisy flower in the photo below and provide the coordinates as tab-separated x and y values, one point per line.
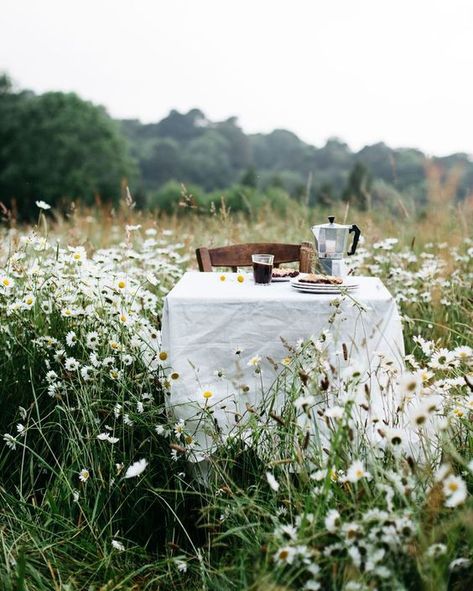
43	205
136	468
356	472
84	475
118	545
273	483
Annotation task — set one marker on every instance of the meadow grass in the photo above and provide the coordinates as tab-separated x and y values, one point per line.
95	488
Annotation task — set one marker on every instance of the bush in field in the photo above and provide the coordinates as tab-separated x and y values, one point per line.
57	146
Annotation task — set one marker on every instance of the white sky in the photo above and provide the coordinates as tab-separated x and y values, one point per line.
399	71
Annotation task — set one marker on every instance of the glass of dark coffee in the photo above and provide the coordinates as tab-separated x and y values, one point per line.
262	268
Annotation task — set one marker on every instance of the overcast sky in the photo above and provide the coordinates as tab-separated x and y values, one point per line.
398	71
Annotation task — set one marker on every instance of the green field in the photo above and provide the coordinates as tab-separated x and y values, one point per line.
95	490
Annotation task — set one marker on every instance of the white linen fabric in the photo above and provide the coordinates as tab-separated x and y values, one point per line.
212	328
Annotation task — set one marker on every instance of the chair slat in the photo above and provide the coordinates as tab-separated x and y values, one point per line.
239	255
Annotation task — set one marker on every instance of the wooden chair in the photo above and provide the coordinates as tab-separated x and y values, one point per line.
239	255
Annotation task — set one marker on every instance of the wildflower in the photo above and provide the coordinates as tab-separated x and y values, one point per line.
121	284
410	384
118	545
92	340
240	278
356	472
71	364
86	372
10	441
436	550
207	394
459	564
181	565
285	555
43	205
179	427
71	338
75	496
442	359
254	361
454	488
107	437
136	468
464	354
20	428
29	301
332	521
6	282
273	483
223	278
84	475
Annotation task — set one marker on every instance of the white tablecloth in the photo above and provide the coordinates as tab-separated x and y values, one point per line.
206	320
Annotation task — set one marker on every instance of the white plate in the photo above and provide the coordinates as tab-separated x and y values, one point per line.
281	279
324	288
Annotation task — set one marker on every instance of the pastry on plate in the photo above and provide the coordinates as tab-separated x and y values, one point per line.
280	273
316	279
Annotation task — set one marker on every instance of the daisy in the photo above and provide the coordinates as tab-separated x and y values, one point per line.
118	545
43	205
71	364
254	361
454	488
71	338
136	468
436	550
332	521
87	372
84	475
464	354
10	441
273	483
410	384
92	340
442	359
285	555
356	472
29	301
6	282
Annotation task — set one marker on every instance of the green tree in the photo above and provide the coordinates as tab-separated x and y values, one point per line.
56	146
358	187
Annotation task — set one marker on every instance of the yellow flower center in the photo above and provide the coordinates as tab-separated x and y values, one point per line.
6	282
174	375
207	394
29	301
163	355
240	279
77	256
283	554
222	278
121	284
453	486
359	473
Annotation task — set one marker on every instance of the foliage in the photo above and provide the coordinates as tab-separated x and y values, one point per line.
55	147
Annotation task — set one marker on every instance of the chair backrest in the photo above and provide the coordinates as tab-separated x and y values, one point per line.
239	255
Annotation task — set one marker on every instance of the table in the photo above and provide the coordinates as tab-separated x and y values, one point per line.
215	331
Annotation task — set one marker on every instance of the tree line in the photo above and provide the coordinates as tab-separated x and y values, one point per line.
59	148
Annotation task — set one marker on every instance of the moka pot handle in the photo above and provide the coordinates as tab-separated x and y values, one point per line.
356	237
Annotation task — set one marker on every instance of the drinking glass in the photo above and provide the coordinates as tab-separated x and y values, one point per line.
262	268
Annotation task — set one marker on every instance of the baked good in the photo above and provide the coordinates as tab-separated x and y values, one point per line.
280	272
314	278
